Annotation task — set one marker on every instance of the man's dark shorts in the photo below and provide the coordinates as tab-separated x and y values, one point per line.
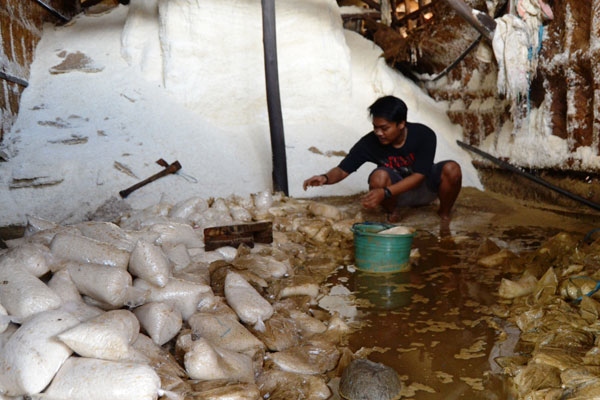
423	194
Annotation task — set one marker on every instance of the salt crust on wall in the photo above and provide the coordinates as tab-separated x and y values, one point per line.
158	56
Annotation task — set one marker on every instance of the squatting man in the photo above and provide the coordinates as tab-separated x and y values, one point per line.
403	152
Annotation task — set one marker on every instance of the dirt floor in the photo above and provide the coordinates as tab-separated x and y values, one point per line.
435	323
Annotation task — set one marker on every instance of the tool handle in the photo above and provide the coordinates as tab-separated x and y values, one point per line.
171	169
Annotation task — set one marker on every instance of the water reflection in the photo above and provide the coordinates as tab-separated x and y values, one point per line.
388	291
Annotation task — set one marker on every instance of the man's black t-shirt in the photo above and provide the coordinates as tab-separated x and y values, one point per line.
416	155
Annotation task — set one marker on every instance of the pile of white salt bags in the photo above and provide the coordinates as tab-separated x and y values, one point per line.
85	308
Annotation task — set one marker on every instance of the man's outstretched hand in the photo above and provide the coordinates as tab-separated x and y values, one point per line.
317	180
373	198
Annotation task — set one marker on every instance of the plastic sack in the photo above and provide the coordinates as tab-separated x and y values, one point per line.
263	200
32	355
187	207
306	359
83	249
279	384
208	362
325	210
6	334
182	295
174	233
511	289
247	303
80	310
161	321
107	232
32	257
63	286
224	330
107	336
102	283
36	224
92	379
150	263
178	255
22	294
4	319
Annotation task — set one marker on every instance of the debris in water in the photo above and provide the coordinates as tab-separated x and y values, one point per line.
475	383
444	377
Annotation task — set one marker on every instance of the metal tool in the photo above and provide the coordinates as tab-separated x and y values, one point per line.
169	169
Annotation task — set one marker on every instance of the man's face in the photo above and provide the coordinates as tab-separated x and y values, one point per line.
388	132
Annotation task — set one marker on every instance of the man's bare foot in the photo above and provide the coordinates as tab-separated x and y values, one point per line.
395	217
444	217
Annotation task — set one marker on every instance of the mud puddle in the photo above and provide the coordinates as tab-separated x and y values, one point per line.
439	324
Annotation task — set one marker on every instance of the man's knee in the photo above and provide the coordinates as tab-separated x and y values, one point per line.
452	173
379	178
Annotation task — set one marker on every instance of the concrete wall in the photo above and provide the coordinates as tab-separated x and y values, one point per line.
21	23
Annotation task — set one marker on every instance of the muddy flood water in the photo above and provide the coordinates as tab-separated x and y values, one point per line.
437	324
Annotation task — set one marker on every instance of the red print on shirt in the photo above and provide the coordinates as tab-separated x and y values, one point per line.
399	161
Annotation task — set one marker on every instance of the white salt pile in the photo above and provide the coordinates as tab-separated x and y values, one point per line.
111	94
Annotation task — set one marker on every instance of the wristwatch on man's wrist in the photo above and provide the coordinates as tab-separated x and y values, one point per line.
387	193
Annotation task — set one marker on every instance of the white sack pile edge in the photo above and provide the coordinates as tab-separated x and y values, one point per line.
66	293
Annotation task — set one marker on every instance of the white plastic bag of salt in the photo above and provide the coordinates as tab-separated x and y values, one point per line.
91	379
107	336
4	319
224	330
175	233
32	355
150	263
63	285
102	283
22	294
107	232
83	249
208	362
247	303
32	257
160	320
183	295
397	230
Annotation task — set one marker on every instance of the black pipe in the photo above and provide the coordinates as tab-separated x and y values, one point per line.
455	63
280	181
13	79
52	11
529	176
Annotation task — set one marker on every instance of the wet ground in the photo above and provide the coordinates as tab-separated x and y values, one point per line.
440	325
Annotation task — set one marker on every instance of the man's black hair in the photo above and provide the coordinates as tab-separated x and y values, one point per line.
389	107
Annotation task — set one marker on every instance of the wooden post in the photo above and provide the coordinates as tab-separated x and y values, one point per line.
386	12
280	181
482	22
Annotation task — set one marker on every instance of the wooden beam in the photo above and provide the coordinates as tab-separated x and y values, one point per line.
356	16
